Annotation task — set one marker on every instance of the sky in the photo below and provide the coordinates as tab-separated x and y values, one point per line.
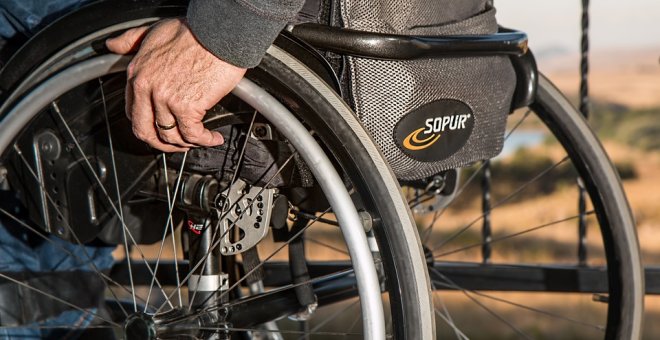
555	24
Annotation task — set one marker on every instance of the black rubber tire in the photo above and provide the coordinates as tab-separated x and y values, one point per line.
340	131
625	271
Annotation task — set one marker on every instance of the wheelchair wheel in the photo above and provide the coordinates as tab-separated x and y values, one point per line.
101	183
505	239
518	277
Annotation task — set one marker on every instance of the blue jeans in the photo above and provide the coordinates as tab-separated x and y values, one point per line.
19	19
20	253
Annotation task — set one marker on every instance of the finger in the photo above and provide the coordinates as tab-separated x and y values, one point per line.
164	117
143	119
128	42
128	100
193	131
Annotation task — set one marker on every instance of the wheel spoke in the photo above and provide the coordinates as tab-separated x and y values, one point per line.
482	306
247	274
332	317
216	240
428	231
506	237
518	123
237	169
234	177
68	327
295	236
234	329
171	225
89	261
521	306
169	222
66	223
312	216
323	244
56	109
114	173
499	203
281	289
445	316
9	278
257	288
351	328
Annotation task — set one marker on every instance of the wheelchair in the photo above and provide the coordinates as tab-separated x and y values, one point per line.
300	225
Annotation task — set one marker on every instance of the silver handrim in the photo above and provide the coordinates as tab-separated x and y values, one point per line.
365	271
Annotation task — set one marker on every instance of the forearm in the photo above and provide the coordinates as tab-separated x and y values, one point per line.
240	31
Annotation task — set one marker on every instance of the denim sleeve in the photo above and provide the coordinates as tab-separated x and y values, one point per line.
27	16
240	31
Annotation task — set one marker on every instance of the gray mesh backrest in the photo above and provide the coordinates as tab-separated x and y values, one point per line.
384	91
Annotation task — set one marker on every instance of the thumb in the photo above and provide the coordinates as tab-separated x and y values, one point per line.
128	42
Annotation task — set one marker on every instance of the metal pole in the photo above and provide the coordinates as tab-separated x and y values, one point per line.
584	109
485	206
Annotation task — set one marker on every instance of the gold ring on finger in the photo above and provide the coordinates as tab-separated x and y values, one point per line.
166	127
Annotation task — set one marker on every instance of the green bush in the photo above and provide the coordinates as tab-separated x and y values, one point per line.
637	128
642	133
626	170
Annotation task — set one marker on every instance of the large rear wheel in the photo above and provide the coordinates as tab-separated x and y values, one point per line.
102	183
538	242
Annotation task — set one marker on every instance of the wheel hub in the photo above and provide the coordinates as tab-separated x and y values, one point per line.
174	324
140	326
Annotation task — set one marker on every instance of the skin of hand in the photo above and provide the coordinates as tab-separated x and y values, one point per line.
172	79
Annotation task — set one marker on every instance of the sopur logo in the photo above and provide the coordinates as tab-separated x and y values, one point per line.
435	131
426	136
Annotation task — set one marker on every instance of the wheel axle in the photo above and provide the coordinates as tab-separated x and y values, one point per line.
175	324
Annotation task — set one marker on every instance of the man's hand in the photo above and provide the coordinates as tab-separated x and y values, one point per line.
172	80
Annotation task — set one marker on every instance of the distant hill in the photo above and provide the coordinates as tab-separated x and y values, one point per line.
630	78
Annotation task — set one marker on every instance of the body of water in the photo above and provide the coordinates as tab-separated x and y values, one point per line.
522	138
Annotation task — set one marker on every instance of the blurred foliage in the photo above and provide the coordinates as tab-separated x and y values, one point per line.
521	170
626	169
636	128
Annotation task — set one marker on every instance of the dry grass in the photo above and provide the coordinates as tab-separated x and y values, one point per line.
558	322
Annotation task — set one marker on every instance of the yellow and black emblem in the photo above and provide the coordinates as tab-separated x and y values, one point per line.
435	131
